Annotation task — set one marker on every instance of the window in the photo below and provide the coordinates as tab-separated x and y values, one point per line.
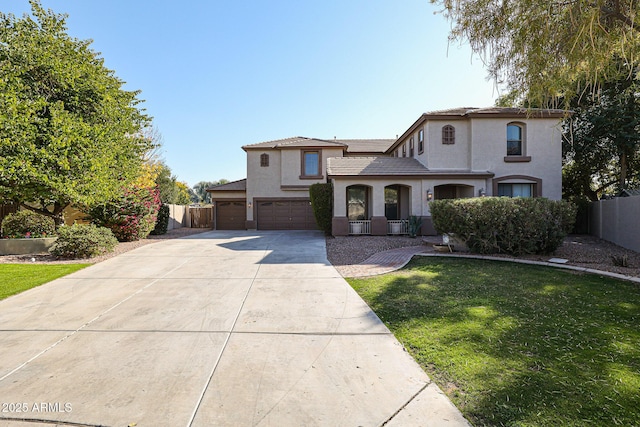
391	204
311	164
421	141
515	190
264	160
411	147
514	140
448	134
357	202
404	150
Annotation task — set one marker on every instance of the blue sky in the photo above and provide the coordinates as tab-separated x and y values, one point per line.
216	75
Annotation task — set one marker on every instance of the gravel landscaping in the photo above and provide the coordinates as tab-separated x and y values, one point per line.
580	250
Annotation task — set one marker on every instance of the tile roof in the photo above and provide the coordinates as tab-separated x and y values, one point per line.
240	185
293	142
367	145
393	166
374	166
373	146
496	111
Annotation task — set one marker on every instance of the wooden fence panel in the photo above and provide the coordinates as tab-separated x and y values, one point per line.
201	217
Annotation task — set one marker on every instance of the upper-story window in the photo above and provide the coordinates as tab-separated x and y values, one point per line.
411	147
404	150
421	141
515	146
311	164
264	160
448	134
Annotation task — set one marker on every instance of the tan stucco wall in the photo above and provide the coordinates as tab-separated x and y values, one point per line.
446	156
284	170
481	145
542	142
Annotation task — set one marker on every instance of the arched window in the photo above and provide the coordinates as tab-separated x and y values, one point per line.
264	160
515	145
357	202
448	134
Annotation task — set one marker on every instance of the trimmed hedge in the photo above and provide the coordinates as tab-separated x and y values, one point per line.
505	225
162	222
27	223
83	241
322	203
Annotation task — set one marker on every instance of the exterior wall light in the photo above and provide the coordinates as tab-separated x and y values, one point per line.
429	195
482	193
249	205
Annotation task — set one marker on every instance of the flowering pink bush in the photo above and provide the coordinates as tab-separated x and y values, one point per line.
132	216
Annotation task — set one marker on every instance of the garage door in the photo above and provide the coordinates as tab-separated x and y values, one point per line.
286	215
231	216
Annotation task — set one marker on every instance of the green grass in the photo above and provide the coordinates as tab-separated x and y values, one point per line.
16	278
518	345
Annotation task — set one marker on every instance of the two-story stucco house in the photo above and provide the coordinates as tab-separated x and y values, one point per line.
378	184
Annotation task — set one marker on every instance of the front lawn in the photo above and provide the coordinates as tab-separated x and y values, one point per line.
16	278
518	345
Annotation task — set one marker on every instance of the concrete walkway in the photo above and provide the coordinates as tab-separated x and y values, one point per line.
218	329
382	262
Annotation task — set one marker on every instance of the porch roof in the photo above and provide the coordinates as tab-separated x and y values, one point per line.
374	166
392	166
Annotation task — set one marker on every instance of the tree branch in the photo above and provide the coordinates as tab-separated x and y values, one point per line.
616	14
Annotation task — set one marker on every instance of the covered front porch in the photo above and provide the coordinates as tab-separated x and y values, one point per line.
379	195
377	208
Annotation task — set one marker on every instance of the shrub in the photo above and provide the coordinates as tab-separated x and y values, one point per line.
27	223
162	222
415	225
321	196
83	241
498	224
130	217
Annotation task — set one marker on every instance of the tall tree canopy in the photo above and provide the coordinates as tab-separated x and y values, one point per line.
544	49
601	146
69	133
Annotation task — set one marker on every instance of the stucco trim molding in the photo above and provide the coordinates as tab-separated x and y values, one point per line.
517	159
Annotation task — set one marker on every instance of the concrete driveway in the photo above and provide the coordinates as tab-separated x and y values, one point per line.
217	329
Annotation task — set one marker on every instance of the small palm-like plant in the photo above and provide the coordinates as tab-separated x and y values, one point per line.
415	224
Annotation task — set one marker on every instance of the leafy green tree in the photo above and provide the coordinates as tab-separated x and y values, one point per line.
201	189
184	196
544	49
69	133
601	146
171	190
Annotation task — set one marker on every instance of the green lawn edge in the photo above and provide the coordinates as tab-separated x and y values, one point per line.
515	344
17	278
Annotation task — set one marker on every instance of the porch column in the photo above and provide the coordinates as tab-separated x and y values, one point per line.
339	222
378	218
